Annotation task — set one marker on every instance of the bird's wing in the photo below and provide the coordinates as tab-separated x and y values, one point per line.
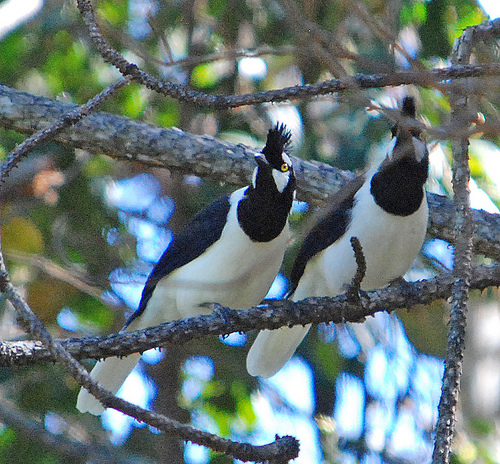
200	232
326	231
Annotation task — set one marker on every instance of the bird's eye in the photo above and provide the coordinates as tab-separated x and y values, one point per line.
284	167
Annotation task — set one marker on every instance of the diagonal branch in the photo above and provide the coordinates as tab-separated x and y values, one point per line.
283	448
48	133
272	315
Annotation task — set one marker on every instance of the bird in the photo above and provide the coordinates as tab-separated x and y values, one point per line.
229	253
386	210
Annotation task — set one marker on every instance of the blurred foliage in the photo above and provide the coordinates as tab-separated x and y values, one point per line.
54	204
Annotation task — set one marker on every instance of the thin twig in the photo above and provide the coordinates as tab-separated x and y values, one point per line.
424	78
355	287
75	279
464	227
381	31
326	38
160	33
50	132
191	61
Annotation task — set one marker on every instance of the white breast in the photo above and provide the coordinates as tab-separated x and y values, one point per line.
234	272
390	244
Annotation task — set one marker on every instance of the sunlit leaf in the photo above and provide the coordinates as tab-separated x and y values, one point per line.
413	13
20	234
98	166
136	101
47	297
204	76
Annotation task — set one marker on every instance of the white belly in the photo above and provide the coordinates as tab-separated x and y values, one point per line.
236	275
234	272
390	244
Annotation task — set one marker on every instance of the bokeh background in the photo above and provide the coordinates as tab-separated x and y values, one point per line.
82	231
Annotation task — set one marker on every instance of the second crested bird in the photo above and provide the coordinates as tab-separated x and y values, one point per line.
386	210
229	253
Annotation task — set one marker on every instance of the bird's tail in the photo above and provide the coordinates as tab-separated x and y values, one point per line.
272	349
110	373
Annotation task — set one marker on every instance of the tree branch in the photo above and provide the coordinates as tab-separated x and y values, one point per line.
428	78
272	315
48	133
125	139
284	448
464	228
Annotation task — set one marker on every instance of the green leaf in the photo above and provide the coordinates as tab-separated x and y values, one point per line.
20	234
204	76
413	13
136	100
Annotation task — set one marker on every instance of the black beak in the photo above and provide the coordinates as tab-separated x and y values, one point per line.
261	160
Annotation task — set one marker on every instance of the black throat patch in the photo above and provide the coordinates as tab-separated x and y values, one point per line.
263	211
397	187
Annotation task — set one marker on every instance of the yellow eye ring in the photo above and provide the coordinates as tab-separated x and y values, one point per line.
284	167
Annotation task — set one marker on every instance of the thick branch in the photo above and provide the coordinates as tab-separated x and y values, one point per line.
269	316
486	235
126	139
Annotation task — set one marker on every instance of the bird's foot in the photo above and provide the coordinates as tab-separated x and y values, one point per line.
408	289
222	312
400	282
355	295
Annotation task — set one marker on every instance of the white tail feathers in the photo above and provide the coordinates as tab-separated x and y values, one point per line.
272	349
110	373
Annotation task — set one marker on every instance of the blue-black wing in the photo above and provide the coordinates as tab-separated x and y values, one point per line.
200	232
326	232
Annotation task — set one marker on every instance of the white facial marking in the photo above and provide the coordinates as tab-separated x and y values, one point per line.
254	177
286	159
390	147
281	179
420	149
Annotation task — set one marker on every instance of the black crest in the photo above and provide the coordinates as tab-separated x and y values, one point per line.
408	107
278	138
263	212
408	110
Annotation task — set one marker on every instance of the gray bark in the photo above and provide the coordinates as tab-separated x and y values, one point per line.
125	139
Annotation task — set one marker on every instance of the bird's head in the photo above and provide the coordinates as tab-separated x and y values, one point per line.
407	139
397	185
274	167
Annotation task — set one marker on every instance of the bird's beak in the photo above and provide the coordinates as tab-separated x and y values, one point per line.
261	160
404	146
